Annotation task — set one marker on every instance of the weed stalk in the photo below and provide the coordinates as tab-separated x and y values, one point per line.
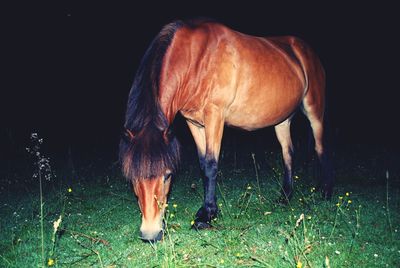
43	171
224	199
335	222
387	205
41	217
258	180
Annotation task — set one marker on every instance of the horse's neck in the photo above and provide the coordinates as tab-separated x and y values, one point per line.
171	79
168	104
179	79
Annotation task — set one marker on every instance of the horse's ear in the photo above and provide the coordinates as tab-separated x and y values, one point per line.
128	134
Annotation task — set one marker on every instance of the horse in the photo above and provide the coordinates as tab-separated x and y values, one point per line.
215	76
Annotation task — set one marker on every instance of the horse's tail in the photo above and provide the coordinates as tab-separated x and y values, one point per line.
314	88
310	63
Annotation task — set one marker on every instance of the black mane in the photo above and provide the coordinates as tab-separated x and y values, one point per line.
149	152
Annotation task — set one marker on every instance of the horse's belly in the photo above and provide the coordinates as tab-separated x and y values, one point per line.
249	121
261	111
264	96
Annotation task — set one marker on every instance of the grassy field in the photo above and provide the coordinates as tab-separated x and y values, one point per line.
359	227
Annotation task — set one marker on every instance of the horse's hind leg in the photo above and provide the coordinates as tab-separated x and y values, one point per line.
283	134
313	108
315	116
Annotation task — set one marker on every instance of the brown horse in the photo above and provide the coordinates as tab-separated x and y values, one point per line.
215	76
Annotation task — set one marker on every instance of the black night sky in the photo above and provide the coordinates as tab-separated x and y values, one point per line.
67	68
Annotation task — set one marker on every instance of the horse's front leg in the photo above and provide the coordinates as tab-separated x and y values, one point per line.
209	209
208	141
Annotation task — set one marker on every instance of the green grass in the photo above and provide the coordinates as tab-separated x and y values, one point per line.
101	220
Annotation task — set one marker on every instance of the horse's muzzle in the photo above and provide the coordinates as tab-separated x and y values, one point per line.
151	237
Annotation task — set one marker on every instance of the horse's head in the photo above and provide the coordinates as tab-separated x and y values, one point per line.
152	198
148	161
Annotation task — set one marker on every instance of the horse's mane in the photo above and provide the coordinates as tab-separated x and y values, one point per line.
148	153
142	103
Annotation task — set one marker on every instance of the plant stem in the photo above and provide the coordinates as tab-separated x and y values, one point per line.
254	258
7	261
224	199
258	181
41	215
99	257
334	224
93	239
387	204
354	236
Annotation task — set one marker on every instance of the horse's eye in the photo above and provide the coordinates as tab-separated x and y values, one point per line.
167	176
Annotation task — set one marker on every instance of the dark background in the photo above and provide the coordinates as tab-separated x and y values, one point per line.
67	68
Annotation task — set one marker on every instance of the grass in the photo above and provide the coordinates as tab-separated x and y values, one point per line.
359	227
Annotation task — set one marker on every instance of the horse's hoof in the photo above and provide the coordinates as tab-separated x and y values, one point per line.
326	191
206	214
327	195
284	199
199	225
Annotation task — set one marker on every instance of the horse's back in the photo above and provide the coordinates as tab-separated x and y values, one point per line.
256	81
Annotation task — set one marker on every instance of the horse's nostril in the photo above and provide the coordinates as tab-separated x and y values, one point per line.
159	236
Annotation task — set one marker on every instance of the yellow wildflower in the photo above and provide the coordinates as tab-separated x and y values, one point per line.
347	194
338	204
299	264
249	187
175	205
50	262
349	201
192	222
69	190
